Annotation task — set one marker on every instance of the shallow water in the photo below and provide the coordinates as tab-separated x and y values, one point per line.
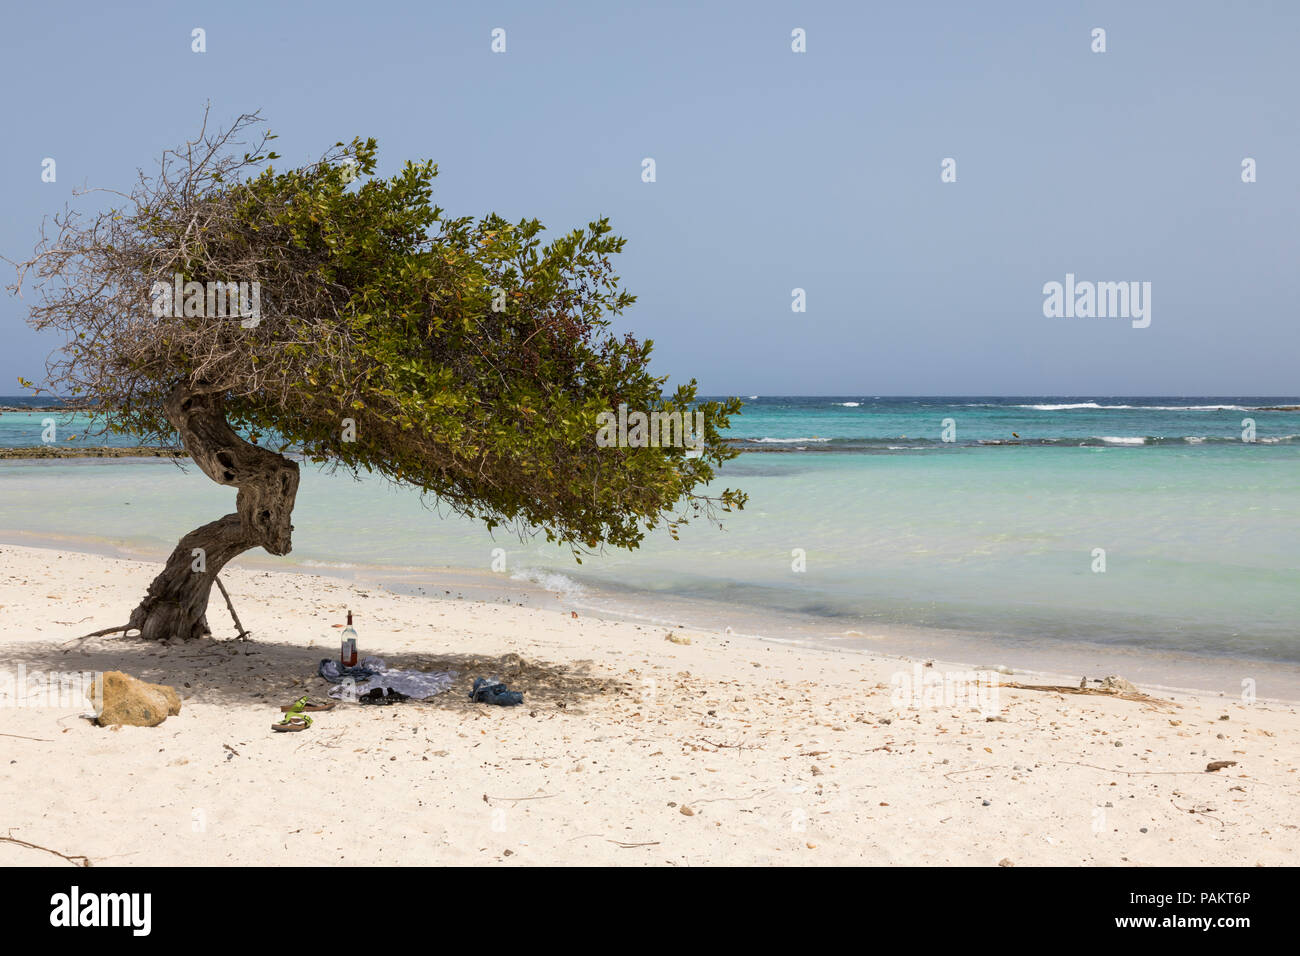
964	544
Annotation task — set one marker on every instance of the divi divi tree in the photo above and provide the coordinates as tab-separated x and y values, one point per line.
272	317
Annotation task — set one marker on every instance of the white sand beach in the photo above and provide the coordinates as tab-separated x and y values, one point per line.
629	749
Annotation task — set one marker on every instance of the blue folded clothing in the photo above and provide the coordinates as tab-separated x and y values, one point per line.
492	691
334	672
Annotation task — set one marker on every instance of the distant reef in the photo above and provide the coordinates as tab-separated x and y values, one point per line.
46	451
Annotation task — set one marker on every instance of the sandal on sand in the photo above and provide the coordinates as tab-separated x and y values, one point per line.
382	696
294	718
313	705
292	724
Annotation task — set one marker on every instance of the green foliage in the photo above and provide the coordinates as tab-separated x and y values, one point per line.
379	309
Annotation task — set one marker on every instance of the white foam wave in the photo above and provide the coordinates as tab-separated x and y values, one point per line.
1143	408
1192	408
549	581
784	441
1122	440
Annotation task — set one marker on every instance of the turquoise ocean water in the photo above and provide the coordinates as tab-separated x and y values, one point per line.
984	545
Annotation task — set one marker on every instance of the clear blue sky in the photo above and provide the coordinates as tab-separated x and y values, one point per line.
775	170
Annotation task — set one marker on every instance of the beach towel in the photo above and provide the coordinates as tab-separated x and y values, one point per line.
372	673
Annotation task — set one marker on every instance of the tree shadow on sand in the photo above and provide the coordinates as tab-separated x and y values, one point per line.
250	672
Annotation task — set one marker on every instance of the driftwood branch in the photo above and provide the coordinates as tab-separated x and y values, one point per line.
1204	813
76	859
243	634
1090	692
1133	773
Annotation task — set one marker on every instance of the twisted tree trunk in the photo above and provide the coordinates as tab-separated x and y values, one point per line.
177	602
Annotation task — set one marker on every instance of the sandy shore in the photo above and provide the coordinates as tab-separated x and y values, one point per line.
629	748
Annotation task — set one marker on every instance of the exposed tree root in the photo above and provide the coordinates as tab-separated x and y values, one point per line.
123	628
243	634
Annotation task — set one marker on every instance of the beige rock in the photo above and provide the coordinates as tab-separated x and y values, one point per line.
123	699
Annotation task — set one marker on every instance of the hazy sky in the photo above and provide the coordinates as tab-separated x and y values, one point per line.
775	169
